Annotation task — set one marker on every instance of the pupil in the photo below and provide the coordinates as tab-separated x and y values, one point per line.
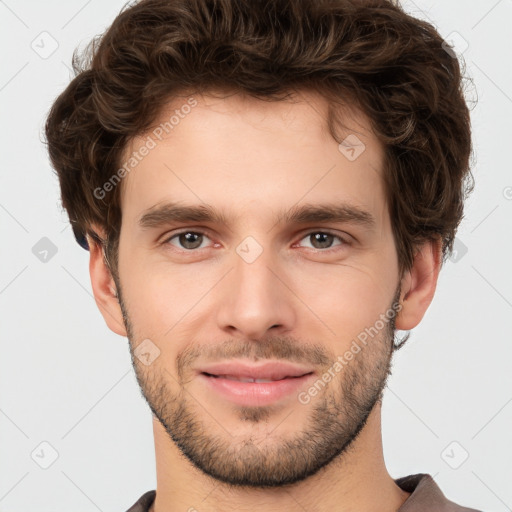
190	240
186	239
320	238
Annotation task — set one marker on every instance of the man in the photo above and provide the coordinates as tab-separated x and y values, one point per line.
268	189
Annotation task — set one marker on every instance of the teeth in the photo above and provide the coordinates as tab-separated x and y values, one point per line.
244	379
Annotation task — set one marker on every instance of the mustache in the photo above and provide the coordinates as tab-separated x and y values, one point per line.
276	348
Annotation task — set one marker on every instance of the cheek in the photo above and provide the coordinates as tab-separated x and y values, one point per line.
165	299
164	296
347	297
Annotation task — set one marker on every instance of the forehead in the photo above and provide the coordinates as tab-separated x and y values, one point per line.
238	150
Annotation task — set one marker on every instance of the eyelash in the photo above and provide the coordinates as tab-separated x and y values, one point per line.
343	240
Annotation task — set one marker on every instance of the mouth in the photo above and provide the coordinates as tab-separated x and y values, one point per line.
251	385
252	379
267	371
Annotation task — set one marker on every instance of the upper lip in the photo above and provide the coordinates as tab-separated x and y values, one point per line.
273	370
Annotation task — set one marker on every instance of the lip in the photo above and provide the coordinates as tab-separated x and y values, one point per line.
274	370
286	379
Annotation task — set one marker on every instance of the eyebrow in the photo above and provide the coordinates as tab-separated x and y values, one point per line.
169	212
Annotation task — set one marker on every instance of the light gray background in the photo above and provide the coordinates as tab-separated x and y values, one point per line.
67	380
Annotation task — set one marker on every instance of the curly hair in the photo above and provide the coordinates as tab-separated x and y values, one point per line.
395	68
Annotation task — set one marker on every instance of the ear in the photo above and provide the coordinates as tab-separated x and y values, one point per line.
419	284
104	287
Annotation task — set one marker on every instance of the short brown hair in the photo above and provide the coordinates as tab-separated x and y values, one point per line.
394	67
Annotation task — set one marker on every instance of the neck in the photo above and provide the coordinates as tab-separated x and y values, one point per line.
356	480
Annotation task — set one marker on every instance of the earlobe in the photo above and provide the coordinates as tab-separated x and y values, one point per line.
104	289
419	285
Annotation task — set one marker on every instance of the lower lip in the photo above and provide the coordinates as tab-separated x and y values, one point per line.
255	393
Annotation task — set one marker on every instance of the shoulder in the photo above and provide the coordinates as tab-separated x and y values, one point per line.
426	495
143	503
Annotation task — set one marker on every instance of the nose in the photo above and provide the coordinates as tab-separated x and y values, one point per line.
254	299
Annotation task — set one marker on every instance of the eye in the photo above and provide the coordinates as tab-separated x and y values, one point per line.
323	240
188	240
191	240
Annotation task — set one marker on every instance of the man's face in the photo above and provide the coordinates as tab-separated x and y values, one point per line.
258	285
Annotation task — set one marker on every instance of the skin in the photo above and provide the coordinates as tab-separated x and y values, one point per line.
299	300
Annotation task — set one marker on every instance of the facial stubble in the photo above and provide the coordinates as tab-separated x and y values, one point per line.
337	414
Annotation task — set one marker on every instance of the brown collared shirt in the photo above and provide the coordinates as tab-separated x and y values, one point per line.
426	496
